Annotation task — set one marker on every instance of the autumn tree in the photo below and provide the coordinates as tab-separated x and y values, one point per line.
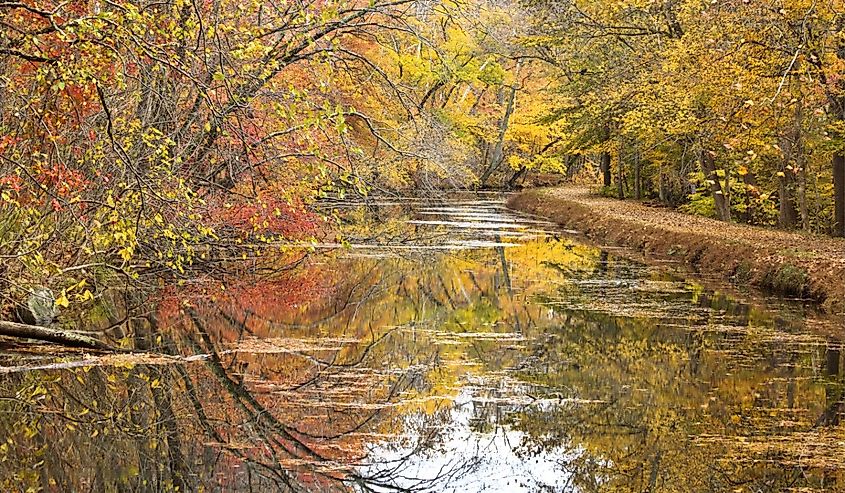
144	140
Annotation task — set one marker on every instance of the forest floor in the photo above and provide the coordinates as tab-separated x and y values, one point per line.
783	262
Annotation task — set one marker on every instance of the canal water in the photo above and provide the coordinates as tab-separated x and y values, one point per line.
442	346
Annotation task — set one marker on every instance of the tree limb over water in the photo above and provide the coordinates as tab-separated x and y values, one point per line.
63	337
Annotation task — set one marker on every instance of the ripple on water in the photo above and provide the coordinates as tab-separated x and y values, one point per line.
470	349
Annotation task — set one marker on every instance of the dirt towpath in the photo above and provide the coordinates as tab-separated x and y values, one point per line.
788	263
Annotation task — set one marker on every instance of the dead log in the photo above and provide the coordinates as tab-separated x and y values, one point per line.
63	337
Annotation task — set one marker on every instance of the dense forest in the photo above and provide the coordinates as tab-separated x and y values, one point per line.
734	109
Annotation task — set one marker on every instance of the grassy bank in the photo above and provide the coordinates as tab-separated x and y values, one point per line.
785	263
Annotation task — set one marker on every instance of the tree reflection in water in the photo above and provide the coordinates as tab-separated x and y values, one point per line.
552	366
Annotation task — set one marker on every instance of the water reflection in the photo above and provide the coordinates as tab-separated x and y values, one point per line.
459	347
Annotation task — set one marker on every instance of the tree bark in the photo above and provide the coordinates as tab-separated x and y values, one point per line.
787	213
63	337
790	146
839	195
801	163
620	172
802	197
638	193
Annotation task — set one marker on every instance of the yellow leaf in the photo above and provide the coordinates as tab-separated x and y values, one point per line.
125	253
62	300
85	296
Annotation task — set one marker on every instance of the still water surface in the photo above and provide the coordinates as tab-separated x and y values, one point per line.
456	347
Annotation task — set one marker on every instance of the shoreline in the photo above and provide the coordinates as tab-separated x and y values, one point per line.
744	255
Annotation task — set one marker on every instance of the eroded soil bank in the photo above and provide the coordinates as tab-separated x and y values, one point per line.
786	263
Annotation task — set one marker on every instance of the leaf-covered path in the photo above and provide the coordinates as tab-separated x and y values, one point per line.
786	262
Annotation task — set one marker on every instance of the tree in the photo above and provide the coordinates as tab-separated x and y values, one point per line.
738	99
152	136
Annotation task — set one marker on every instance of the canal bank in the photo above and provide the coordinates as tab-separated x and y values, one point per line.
785	263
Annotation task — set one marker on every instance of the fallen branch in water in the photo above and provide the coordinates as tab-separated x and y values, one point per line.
63	337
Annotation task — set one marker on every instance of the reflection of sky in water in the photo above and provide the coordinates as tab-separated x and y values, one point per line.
522	362
469	461
464	458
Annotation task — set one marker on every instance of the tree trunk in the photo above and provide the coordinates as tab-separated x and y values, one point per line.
498	152
788	215
837	101
620	172
802	197
708	166
574	165
750	181
790	146
638	193
839	195
63	337
801	164
604	165
434	88
517	176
